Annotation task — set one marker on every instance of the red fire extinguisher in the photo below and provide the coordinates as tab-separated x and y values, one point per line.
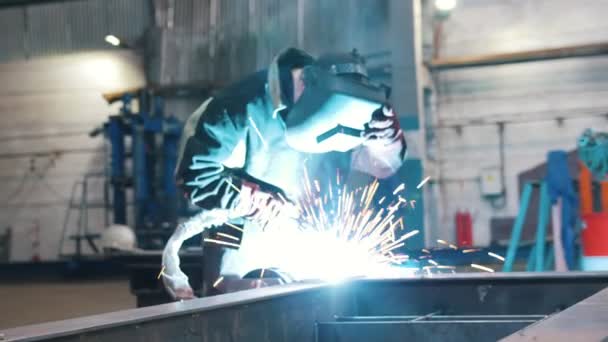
464	229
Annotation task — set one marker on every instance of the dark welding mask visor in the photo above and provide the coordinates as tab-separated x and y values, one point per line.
331	113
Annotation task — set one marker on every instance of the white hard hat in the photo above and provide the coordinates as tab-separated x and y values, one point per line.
119	237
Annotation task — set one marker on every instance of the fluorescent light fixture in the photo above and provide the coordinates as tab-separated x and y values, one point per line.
113	40
445	5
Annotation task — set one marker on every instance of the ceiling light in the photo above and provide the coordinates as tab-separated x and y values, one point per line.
445	5
113	40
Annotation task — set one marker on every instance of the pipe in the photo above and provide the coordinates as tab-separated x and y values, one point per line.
584	50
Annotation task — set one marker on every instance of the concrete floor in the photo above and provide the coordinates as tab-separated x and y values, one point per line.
37	302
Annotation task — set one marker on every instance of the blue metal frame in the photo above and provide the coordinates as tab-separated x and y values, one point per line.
517	228
116	135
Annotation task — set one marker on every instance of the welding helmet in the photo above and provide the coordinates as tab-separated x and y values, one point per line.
336	103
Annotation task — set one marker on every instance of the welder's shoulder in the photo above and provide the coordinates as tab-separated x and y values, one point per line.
235	100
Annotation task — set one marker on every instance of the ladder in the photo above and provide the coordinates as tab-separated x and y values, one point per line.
79	202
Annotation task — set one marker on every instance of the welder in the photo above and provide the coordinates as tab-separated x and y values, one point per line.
247	148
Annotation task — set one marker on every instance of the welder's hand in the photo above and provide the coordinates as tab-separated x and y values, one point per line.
176	284
383	129
261	202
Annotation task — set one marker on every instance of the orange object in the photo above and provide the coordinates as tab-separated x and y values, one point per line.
585	192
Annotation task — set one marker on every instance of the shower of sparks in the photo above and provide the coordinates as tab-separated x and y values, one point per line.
399	188
483	268
220	242
465	251
494	255
255	127
218	281
228	236
161	273
423	182
348	234
433	262
235	227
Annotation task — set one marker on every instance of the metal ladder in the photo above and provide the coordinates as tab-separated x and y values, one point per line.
82	205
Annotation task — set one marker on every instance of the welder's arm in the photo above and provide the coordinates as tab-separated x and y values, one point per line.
175	281
209	138
384	148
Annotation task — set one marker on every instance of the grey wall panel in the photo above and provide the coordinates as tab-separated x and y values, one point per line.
12	33
221	41
533	94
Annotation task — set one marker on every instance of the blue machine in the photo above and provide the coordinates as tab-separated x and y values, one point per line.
146	165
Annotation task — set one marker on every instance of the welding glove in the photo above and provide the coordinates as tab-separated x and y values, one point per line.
384	148
174	280
383	129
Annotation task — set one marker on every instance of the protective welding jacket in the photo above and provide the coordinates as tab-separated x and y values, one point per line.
235	135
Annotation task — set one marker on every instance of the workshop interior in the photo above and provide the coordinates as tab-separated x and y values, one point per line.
303	170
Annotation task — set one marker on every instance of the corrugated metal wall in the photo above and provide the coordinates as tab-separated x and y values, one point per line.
220	41
63	27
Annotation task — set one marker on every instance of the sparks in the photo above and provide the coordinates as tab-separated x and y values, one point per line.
399	188
433	262
228	236
423	182
255	127
465	251
494	255
483	268
283	199
350	236
443	242
218	281
410	234
161	273
235	227
220	242
317	186
454	247
424	250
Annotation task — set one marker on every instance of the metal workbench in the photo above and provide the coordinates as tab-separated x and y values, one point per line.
455	307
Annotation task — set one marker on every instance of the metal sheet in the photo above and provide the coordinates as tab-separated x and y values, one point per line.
288	313
585	321
418	331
